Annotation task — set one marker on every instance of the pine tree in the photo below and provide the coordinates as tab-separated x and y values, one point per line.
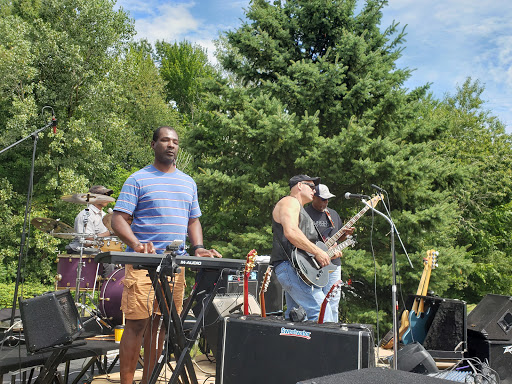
313	88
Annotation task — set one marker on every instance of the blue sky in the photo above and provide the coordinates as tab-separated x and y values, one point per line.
447	40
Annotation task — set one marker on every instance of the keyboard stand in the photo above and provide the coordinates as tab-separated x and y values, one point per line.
181	345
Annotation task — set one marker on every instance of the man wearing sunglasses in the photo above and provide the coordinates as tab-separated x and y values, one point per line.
328	222
293	227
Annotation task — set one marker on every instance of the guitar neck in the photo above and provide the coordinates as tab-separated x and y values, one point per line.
330	242
340	247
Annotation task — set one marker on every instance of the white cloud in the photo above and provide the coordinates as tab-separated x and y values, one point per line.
168	22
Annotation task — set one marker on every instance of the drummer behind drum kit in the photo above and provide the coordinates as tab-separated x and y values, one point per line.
82	271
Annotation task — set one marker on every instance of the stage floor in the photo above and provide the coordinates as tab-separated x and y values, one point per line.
205	372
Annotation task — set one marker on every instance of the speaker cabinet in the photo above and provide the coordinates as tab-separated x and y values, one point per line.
376	376
225	305
498	353
49	320
446	335
274	351
492	317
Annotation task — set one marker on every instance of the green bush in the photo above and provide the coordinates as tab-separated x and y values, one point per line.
26	290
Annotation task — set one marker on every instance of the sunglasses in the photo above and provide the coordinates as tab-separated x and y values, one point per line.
312	186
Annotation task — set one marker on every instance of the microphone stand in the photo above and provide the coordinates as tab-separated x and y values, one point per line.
28	205
394	301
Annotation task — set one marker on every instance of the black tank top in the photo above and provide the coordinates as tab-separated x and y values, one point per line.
281	247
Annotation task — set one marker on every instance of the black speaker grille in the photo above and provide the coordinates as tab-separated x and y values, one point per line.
49	320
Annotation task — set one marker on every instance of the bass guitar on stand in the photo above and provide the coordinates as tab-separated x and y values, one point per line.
418	318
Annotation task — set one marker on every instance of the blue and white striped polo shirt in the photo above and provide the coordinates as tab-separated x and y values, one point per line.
161	204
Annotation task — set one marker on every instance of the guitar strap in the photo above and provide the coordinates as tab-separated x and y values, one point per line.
330	220
329	216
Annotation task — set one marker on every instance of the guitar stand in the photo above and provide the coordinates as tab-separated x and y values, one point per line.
176	342
49	373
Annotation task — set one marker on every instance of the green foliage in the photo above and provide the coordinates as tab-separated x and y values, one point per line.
78	57
183	67
313	88
27	290
304	86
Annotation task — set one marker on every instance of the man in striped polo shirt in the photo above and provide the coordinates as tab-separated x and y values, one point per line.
161	203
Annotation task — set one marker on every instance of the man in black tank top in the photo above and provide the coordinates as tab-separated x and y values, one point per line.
328	222
292	227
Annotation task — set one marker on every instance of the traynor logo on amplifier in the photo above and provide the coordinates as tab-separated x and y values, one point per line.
295	333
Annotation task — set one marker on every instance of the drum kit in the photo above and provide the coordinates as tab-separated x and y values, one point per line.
82	271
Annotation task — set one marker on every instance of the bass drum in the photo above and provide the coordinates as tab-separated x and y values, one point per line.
67	269
110	297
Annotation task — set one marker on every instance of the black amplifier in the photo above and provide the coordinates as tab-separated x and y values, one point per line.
445	326
271	350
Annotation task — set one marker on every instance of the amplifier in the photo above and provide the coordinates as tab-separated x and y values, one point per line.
270	350
49	320
274	297
233	283
446	335
498	354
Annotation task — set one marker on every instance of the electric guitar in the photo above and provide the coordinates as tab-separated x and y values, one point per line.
305	263
418	317
264	287
249	265
309	270
336	287
369	204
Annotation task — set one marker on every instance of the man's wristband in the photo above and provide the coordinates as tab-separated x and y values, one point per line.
194	248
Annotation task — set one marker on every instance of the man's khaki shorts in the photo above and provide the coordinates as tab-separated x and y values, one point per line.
139	301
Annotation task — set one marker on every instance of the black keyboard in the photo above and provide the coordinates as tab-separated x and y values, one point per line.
153	260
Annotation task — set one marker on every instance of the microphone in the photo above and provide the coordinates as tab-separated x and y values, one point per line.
54	124
349	195
377	188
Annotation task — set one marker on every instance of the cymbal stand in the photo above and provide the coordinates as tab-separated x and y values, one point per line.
79	268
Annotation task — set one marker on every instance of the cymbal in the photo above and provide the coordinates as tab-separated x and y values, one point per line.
50	225
87	198
107	221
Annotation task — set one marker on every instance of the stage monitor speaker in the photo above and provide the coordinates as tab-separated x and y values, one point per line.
492	317
225	305
498	353
414	358
49	320
274	351
375	376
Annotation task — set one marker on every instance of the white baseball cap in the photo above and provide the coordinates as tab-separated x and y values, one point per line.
323	192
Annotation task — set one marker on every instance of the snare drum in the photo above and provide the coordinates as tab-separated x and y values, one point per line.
67	269
110	297
110	243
